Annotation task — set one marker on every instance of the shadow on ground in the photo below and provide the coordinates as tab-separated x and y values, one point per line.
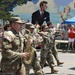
73	68
32	74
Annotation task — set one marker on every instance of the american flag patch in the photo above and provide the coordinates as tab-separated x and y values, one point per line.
8	38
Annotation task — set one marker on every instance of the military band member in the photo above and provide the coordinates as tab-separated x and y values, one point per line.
28	38
11	62
46	54
52	31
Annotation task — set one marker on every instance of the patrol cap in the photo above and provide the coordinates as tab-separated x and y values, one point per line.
12	20
20	21
43	33
49	23
29	25
32	26
16	19
44	26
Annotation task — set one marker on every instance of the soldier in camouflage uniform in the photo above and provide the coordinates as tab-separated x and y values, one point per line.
11	62
35	62
46	54
52	32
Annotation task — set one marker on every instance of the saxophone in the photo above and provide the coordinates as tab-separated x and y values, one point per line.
28	48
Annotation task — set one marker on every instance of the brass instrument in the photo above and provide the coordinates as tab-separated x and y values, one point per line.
29	49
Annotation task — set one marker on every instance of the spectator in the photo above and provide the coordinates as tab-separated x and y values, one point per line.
71	37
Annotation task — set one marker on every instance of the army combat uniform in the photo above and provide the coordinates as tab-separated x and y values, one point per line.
35	64
54	51
11	62
46	54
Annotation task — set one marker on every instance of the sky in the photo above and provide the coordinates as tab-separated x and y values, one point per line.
34	5
63	2
24	11
60	2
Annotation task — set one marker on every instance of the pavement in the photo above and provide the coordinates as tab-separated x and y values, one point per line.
68	68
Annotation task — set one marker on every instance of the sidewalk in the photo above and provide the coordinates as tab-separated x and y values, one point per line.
68	68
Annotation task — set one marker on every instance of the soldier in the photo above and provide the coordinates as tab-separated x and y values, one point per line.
12	55
34	62
46	54
52	32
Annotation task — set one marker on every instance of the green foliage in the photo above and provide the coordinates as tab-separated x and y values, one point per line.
7	5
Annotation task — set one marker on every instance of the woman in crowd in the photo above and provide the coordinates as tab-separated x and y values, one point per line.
71	35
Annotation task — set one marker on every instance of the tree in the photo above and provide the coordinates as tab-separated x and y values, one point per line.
6	6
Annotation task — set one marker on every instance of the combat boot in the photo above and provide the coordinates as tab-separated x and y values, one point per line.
46	64
59	63
53	71
53	65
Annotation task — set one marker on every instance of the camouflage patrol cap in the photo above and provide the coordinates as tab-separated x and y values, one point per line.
20	21
43	33
44	26
28	25
12	19
32	26
49	23
16	19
